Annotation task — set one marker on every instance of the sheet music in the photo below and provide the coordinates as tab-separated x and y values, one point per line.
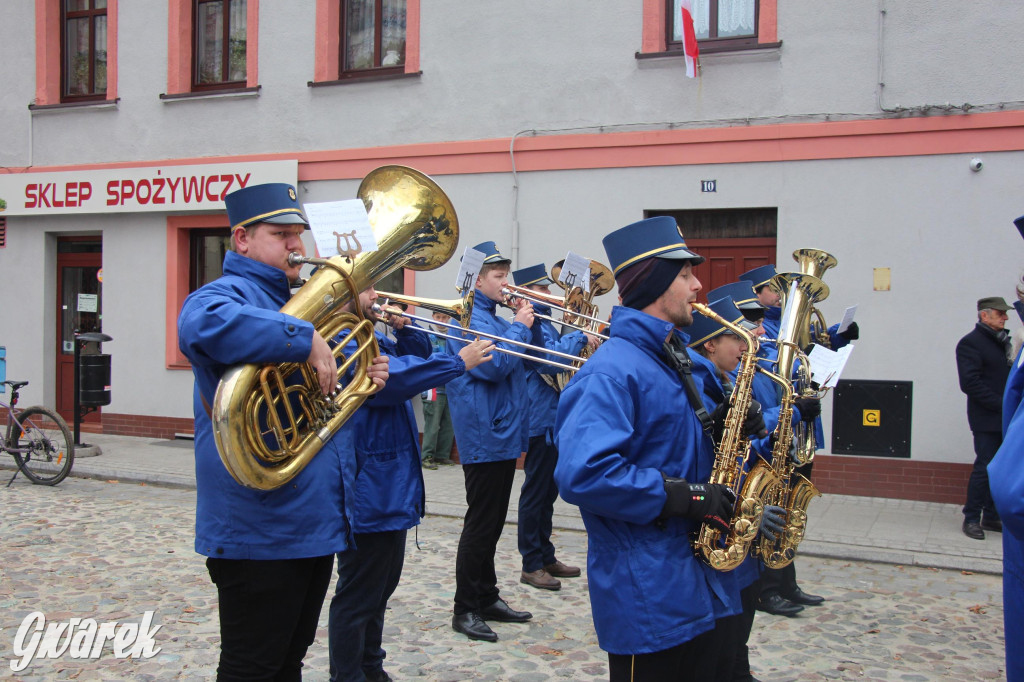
847	319
576	271
827	365
340	226
472	261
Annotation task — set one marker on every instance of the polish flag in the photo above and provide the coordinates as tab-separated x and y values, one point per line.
689	39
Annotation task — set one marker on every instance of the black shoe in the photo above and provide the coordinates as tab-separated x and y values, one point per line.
972	529
777	605
472	626
503	613
798	596
994	526
379	676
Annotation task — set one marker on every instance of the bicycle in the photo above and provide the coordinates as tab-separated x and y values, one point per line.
38	439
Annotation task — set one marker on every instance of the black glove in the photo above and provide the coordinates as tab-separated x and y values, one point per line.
711	503
753	424
773	521
851	333
810	408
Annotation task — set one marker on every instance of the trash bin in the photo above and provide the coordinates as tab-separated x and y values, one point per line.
3	365
94	380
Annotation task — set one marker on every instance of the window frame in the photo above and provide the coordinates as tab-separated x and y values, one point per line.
712	43
196	237
225	57
378	37
656	28
65	15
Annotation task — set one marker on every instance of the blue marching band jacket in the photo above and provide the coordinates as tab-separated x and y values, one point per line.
616	437
389	493
1006	480
308	517
489	402
544	397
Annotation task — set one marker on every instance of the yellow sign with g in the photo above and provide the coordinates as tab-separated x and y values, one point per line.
872	417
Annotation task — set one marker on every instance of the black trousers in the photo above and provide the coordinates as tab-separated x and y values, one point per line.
367	577
537	504
488	488
741	667
687	662
268	614
979	497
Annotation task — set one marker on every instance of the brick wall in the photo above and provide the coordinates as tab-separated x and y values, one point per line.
145	426
894	478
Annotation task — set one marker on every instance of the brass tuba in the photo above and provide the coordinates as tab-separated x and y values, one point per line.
270	420
815	262
581	311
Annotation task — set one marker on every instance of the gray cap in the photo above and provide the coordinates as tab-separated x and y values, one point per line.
993	303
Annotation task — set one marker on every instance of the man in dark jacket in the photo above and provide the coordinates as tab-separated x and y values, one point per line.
983	363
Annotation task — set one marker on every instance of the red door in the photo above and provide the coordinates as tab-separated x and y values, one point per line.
79	306
726	259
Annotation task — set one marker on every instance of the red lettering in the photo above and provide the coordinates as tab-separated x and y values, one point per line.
209	185
127	190
158	188
242	183
138	191
173	186
53	197
192	187
229	179
112	193
84	192
45	201
71	194
30	195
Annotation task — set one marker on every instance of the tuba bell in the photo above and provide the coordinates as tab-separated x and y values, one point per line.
270	420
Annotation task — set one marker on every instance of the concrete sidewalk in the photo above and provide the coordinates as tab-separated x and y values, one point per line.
841	526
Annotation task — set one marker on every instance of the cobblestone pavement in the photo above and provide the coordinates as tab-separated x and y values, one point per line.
111	551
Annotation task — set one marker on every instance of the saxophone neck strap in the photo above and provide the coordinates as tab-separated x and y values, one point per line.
677	357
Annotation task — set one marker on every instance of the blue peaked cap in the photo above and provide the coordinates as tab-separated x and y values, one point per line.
742	294
651	238
759	276
535	274
1019	222
704	328
491	253
273	202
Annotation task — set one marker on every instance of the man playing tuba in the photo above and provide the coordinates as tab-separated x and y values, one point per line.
270	553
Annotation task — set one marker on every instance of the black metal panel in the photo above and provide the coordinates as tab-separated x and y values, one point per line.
872	418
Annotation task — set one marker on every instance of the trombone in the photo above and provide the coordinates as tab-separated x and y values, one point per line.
461	309
511	291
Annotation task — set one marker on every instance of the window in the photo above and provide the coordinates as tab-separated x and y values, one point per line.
372	37
219	44
206	249
725	24
83	50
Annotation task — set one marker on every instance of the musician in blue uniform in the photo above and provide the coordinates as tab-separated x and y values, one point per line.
779	588
718	355
270	552
541	568
1006	480
492	428
388	496
630	447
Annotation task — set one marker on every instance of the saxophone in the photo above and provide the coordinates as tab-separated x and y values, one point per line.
730	458
790	490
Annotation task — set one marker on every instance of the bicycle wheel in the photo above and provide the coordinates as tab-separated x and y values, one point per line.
45	440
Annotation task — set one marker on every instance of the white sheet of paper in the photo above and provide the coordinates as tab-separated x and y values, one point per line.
825	362
88	303
576	271
472	261
847	318
339	226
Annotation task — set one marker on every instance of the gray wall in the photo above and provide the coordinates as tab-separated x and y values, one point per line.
510	67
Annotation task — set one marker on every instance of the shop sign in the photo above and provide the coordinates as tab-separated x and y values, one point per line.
200	187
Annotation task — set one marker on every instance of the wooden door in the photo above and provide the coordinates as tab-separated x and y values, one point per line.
79	306
726	259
